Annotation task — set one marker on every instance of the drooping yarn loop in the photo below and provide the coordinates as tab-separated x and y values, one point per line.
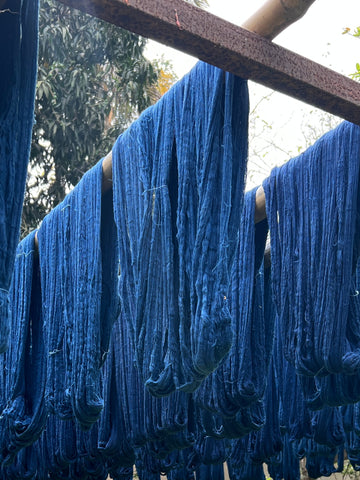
18	60
178	186
80	303
313	210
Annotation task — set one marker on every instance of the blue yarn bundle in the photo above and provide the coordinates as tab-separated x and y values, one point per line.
178	186
113	440
340	388
313	211
240	464
240	380
327	427
266	443
66	451
24	415
288	467
210	472
135	426
232	396
79	307
181	473
18	60
320	460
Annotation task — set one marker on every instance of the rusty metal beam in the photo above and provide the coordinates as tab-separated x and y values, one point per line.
232	48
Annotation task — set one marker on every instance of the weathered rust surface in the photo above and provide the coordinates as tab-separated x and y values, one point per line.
232	48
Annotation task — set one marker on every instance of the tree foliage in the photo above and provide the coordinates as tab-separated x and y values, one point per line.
199	3
356	33
93	80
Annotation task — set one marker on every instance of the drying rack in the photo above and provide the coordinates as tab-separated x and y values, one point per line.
246	51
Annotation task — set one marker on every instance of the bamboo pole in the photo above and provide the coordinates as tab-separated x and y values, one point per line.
275	16
270	20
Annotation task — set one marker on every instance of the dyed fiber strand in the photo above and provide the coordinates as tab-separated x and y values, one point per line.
266	442
210	472
18	59
66	451
293	412
320	460
113	439
180	474
352	447
339	389
250	355
288	468
210	450
327	427
313	211
160	424
25	414
25	466
240	380
176	235
77	320
53	314
240	464
211	127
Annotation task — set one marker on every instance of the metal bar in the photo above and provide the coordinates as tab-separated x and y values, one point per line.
232	48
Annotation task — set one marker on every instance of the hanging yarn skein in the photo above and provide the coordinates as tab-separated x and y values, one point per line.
313	210
18	60
241	379
24	415
178	191
80	304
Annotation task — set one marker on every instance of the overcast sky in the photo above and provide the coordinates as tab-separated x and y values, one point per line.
317	36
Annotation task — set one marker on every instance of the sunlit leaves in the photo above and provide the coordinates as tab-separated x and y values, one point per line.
93	80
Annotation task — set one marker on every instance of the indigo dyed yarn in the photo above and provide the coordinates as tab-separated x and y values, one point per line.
320	460
288	467
80	305
24	417
340	388
240	464
113	438
266	442
66	451
233	395
210	472
18	60
327	427
178	191
240	380
160	424
313	211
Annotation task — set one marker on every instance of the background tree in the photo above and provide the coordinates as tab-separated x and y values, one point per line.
267	148
356	74
93	80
